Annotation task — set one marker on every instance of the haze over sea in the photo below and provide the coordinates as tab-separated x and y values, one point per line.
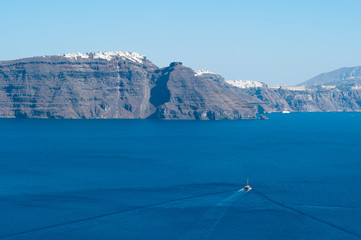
143	179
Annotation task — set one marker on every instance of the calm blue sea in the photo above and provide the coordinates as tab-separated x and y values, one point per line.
143	179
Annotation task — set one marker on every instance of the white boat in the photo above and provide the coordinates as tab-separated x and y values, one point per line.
247	187
286	111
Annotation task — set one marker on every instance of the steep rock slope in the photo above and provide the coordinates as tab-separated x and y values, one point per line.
181	93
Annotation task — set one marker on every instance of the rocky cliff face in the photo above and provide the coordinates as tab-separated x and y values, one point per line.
128	85
310	100
336	91
75	87
115	85
181	93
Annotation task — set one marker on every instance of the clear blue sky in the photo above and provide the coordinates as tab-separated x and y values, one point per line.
278	42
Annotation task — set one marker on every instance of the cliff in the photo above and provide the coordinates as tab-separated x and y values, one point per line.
309	100
181	93
126	85
115	85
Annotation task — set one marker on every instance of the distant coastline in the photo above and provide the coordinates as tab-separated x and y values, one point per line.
127	85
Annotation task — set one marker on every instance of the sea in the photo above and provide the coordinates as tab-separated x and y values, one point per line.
149	179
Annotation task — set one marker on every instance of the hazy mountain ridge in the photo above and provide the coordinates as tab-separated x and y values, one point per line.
342	76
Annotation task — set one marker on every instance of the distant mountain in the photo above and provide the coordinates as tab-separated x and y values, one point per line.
342	76
116	85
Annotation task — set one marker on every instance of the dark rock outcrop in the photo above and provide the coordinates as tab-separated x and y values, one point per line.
181	94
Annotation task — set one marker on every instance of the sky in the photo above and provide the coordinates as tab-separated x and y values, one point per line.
279	42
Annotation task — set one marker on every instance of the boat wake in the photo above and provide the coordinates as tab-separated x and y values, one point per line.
244	190
308	215
325	206
213	216
76	221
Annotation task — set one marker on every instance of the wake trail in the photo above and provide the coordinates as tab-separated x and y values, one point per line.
110	214
308	215
212	217
324	206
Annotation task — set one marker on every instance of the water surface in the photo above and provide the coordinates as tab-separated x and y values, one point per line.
143	179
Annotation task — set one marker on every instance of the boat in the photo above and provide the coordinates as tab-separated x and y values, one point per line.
247	187
286	111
